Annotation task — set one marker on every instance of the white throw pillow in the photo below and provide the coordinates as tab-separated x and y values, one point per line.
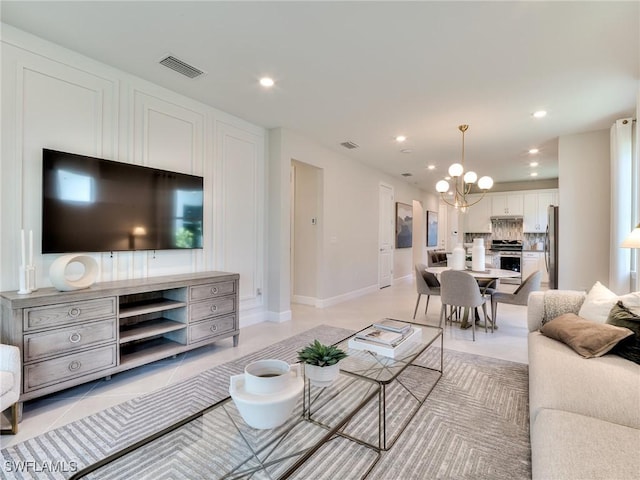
598	303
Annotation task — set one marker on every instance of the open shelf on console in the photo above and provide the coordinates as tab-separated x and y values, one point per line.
150	328
148	306
138	353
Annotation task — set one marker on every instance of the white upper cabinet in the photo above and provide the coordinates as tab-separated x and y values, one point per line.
507	204
477	219
535	210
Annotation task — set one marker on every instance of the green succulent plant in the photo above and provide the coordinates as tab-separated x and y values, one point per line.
321	355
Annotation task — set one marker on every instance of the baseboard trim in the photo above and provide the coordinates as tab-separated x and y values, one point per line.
328	302
302	300
278	317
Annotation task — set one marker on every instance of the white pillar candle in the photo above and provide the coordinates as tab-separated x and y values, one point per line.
22	248
30	247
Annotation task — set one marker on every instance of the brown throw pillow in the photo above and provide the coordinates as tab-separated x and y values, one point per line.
588	338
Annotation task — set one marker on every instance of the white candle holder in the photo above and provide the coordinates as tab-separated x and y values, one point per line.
31	278
24	281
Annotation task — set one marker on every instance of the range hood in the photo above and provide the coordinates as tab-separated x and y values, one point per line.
506	217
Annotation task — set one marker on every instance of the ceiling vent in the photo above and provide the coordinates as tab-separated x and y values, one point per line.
349	145
181	67
407	174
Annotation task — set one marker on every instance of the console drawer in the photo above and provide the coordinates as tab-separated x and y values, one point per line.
65	340
211	290
211	328
69	313
56	370
218	306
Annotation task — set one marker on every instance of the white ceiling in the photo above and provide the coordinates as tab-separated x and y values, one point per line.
368	71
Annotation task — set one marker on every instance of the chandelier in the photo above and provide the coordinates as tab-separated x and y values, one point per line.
462	184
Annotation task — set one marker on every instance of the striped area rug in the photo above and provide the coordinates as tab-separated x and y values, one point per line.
474	425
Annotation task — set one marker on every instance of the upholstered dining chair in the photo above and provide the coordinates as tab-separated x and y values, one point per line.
426	284
10	381
519	297
459	289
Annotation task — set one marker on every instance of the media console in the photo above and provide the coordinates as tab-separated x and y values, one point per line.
69	338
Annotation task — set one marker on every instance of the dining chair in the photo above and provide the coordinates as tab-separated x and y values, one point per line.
426	284
519	297
459	289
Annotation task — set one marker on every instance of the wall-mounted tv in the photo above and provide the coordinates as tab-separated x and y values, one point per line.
96	205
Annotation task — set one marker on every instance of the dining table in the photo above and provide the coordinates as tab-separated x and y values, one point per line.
490	274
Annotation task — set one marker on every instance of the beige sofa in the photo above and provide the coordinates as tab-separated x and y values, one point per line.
584	413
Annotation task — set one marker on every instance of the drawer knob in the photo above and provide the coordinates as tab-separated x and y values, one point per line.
214	290
214	308
74	312
213	328
75	337
75	365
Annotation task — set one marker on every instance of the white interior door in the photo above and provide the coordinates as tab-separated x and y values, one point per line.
386	233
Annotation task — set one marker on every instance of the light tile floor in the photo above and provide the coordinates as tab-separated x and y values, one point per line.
509	342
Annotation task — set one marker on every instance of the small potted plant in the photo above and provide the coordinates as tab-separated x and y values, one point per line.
321	362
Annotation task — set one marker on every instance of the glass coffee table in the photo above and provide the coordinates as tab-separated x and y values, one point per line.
217	443
405	383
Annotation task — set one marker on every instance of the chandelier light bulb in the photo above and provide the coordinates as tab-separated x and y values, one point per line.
470	177
485	183
442	186
456	170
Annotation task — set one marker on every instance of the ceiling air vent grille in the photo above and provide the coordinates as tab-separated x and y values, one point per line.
349	145
181	67
407	174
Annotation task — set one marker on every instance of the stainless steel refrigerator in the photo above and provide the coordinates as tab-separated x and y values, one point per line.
551	246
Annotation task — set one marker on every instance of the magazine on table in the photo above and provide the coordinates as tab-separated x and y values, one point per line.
377	335
393	325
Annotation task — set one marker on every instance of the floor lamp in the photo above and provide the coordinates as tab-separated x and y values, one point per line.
633	241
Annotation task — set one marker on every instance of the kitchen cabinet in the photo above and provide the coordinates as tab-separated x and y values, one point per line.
535	210
477	219
507	204
532	261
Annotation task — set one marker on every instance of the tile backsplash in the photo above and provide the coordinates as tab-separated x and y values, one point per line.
509	229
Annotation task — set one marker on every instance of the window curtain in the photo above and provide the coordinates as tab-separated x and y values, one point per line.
624	205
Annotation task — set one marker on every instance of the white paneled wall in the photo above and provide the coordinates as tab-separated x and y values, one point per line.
55	98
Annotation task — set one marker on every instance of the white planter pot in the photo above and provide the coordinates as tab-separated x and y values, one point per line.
322	376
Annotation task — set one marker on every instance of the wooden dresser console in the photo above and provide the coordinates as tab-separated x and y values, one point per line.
69	338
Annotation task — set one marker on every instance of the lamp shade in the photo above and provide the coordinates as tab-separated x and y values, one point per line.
633	239
455	170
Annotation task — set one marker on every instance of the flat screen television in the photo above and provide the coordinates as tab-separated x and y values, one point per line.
96	205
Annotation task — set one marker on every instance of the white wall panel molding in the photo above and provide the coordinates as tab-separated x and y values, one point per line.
55	106
239	200
165	134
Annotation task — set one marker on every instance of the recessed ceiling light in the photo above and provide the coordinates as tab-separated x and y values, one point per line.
533	164
539	114
267	82
533	151
447	178
534	174
431	167
400	138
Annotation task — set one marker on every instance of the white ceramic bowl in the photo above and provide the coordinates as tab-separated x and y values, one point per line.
264	411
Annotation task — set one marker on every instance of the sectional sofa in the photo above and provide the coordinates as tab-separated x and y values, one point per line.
584	412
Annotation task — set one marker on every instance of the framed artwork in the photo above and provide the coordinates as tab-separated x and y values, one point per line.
432	229
404	225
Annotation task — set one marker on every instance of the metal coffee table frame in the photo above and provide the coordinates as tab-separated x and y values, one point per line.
364	393
386	371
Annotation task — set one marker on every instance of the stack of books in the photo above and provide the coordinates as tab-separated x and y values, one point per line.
388	337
